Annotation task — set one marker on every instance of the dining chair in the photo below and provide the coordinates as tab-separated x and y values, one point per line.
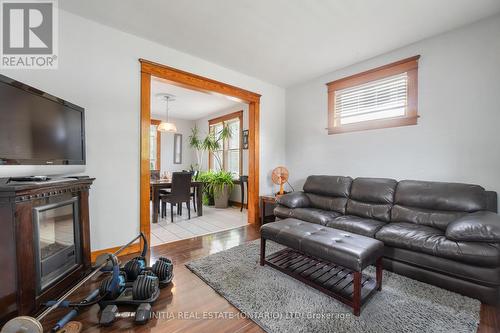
154	175
180	193
243	180
194	175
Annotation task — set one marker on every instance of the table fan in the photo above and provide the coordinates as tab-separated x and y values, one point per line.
280	177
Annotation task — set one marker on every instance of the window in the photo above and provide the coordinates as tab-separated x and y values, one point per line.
154	145
229	157
379	98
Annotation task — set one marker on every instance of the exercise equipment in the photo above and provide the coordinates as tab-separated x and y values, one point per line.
162	268
142	292
71	327
87	301
145	289
141	315
108	262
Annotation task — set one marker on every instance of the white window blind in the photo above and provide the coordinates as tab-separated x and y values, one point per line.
380	99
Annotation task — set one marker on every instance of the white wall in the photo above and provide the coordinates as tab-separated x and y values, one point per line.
457	136
99	70
184	127
202	125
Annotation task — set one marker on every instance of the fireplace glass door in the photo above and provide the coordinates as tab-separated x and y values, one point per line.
58	239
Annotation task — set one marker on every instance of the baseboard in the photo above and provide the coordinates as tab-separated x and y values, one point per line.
237	204
134	248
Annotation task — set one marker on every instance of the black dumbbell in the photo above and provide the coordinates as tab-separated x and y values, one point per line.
141	315
105	288
145	286
134	267
163	268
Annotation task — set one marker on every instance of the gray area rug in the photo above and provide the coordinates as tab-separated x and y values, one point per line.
279	303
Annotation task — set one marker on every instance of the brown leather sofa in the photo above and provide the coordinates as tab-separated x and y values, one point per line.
445	234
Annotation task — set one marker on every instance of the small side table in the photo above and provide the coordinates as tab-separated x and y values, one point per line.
264	201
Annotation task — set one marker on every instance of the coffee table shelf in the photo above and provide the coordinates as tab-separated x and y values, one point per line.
329	278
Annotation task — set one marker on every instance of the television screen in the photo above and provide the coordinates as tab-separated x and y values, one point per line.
37	128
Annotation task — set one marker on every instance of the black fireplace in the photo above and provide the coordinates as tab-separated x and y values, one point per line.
57	241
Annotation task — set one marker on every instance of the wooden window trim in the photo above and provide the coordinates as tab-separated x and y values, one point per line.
409	65
157	122
224	118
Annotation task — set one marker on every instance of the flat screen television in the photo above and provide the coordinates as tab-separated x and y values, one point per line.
37	128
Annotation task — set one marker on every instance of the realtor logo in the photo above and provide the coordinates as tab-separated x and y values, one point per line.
29	34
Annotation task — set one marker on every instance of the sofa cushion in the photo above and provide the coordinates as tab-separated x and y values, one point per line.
480	226
432	241
371	198
314	215
369	210
476	274
374	190
294	200
441	196
433	218
333	186
324	202
282	212
358	225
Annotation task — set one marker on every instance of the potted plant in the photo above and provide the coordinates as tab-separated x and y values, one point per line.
198	145
208	195
218	184
211	143
221	184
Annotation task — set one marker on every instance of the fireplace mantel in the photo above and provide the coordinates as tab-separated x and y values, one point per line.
20	203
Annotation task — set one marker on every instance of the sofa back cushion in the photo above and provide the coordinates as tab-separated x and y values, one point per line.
372	198
436	204
328	192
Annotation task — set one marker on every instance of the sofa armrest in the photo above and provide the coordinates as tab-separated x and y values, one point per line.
294	200
482	226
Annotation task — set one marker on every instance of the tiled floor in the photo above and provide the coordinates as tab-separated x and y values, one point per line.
212	221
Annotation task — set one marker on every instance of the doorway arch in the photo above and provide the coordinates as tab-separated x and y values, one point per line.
206	85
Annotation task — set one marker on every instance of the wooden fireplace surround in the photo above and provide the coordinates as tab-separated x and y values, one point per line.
18	295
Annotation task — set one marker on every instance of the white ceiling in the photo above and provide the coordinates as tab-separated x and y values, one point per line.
188	104
284	41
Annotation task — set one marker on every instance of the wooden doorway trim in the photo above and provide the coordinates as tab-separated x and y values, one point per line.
206	85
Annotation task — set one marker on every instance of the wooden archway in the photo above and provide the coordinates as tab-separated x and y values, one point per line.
206	85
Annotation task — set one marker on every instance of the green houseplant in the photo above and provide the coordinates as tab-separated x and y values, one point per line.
218	184
208	196
211	143
221	186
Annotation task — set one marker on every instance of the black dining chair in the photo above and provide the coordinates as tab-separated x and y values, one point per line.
180	193
154	175
243	180
193	189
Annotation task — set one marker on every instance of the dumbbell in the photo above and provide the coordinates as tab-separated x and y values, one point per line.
110	289
145	286
163	268
141	315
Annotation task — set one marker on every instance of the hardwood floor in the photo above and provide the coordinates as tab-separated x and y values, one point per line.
182	305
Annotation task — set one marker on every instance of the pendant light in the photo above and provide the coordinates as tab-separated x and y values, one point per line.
166	126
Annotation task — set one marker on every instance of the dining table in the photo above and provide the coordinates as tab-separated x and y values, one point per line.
157	185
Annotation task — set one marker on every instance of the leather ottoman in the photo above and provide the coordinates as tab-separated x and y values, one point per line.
327	259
